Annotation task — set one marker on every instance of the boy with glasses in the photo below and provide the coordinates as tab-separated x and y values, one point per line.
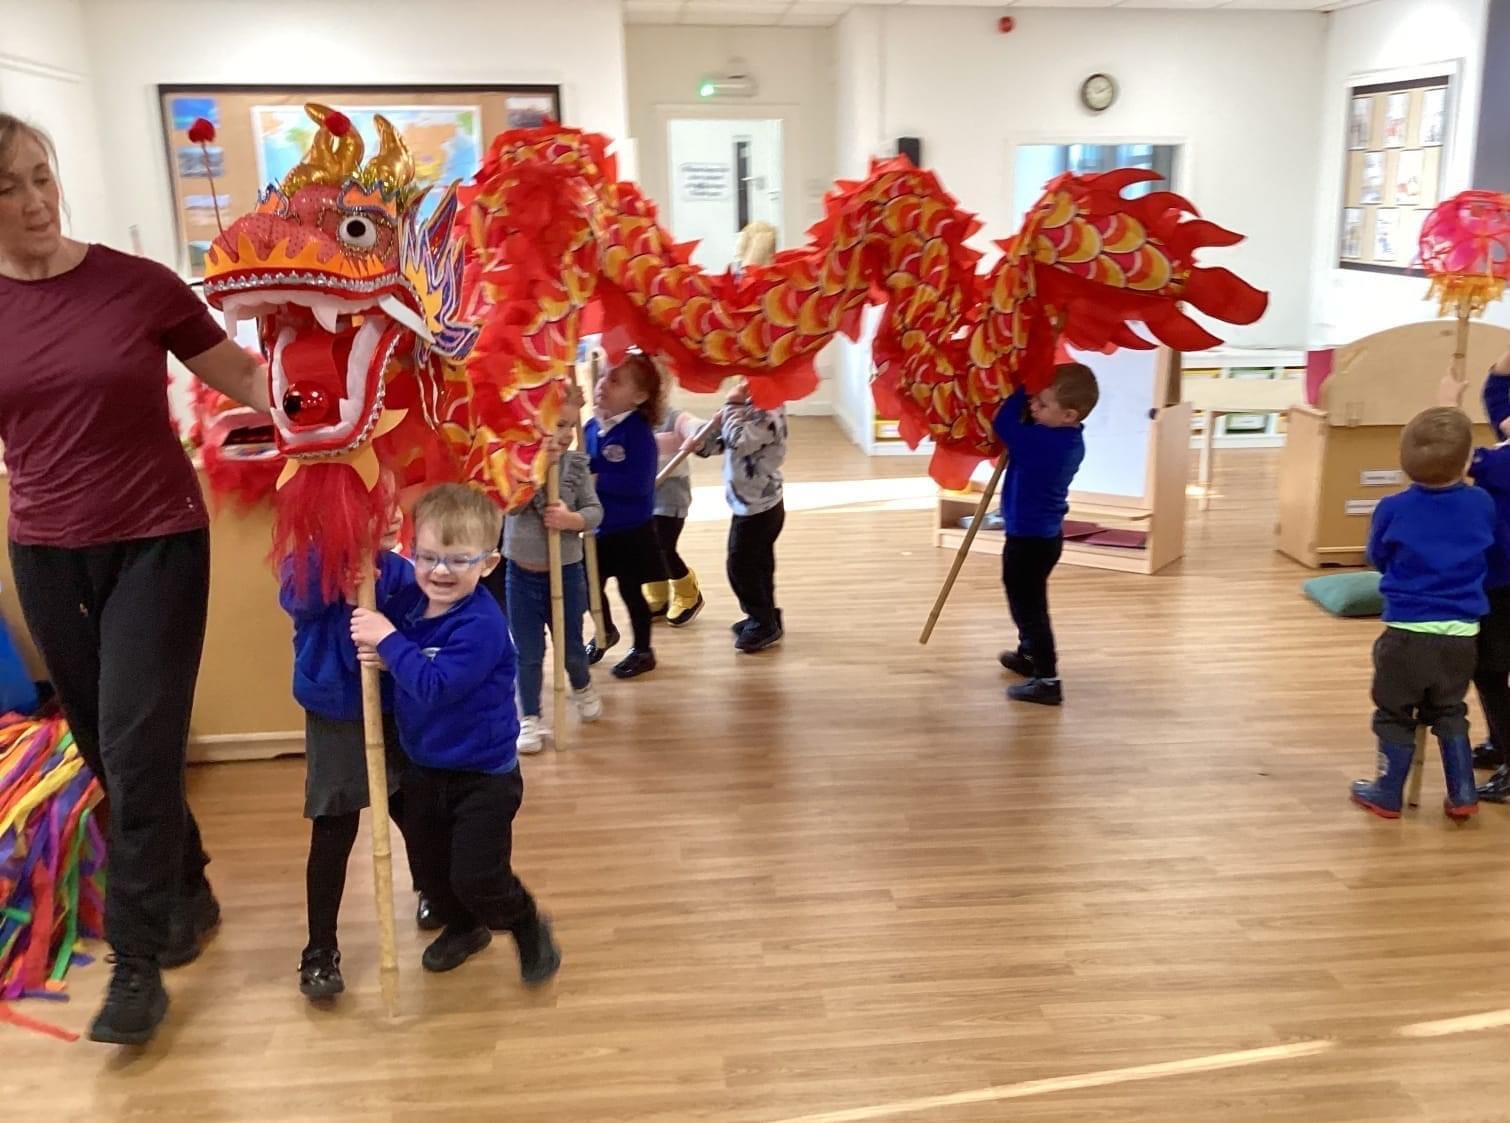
453	667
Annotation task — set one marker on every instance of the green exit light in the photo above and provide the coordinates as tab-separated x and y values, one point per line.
707	89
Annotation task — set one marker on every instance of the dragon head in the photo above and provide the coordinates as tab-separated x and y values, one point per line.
347	283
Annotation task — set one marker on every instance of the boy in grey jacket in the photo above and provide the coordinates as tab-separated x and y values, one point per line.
753	442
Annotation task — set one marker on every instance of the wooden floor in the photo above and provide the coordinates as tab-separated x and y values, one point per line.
846	880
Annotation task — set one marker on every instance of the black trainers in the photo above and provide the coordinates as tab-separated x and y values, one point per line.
453	947
134	1004
757	636
595	653
1016	662
636	663
1488	755
425	918
195	916
1041	691
320	973
539	957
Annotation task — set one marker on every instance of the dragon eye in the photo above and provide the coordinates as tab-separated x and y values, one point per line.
357	232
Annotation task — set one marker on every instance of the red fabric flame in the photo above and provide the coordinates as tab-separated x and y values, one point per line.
326	511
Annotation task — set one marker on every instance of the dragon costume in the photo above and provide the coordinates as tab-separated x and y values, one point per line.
441	348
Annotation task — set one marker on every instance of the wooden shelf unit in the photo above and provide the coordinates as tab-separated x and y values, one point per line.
1343	455
1159	512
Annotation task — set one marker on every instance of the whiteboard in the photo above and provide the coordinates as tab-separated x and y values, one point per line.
1117	431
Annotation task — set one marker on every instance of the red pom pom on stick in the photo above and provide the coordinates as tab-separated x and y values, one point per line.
201	131
337	124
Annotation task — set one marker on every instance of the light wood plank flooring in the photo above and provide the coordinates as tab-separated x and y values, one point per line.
847	877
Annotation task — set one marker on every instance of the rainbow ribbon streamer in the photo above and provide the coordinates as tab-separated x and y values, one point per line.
52	863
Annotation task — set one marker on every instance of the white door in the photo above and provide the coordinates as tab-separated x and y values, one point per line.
723	174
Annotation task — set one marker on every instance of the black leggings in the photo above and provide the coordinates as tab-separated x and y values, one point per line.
632	556
331	838
668	531
1494	696
121	627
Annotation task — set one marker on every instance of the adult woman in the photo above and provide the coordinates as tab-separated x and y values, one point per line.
109	544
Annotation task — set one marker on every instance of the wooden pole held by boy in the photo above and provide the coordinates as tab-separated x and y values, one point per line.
558	615
964	547
377	789
1460	347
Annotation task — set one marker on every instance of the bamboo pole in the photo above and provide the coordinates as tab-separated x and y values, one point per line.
1460	348
558	616
964	547
682	453
1417	766
377	801
590	540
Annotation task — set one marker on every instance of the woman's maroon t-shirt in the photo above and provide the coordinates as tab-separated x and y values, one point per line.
89	441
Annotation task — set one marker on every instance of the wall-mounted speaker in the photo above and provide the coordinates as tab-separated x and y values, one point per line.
912	148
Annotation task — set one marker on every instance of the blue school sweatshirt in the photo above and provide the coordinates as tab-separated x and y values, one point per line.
455	683
1431	545
327	677
1490	469
1041	462
623	460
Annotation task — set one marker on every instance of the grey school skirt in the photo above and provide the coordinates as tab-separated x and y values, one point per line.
335	764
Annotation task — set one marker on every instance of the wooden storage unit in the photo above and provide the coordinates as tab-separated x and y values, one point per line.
1342	456
243	707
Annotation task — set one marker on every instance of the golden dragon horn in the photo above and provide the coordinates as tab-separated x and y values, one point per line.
333	155
392	169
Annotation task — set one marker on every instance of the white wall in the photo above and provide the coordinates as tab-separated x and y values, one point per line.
1238	89
137	44
794	72
1384	36
45	79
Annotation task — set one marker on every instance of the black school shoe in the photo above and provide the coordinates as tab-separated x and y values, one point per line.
636	663
453	947
757	636
134	1005
1016	662
1040	691
425	918
1497	789
539	957
320	973
595	653
195	915
1489	755
739	626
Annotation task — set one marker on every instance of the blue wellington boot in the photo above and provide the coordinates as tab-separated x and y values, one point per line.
1462	800
1384	794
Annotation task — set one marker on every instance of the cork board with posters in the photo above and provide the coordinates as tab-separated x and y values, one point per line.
262	131
1396	133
